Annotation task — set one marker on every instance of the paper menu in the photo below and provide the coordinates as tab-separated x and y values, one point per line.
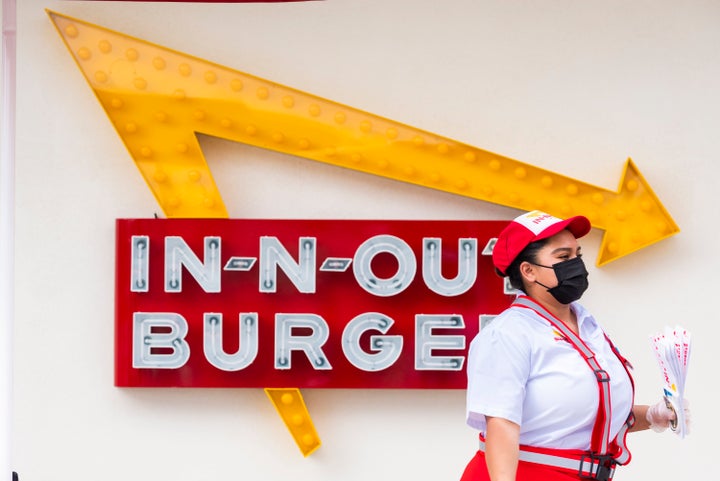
672	350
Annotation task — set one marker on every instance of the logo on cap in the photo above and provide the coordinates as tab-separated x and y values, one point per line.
537	221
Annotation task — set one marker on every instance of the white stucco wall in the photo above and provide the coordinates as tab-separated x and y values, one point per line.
574	87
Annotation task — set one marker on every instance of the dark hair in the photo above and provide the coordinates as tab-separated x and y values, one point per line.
528	254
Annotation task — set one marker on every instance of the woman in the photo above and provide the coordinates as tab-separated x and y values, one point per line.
550	394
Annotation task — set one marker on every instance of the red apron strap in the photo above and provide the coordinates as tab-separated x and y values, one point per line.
600	442
619	445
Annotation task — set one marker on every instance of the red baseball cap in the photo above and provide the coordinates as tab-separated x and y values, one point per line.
531	227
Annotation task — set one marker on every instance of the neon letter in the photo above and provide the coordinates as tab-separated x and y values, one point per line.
286	342
213	344
164	331
301	274
407	265
388	348
432	266
139	263
426	342
178	254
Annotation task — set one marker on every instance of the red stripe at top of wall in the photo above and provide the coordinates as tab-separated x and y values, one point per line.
211	1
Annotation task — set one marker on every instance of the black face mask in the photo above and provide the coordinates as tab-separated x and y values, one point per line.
572	280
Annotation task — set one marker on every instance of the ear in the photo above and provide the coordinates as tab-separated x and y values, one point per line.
528	272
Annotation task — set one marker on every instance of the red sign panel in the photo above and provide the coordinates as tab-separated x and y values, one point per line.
301	303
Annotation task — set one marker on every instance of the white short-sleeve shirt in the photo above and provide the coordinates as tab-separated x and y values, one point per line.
522	369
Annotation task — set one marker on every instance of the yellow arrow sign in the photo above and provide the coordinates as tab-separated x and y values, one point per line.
158	99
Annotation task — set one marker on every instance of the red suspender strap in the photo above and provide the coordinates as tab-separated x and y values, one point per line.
623	455
601	442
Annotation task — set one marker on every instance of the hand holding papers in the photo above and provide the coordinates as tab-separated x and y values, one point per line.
672	349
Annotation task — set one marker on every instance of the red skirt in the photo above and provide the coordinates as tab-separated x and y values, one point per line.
476	470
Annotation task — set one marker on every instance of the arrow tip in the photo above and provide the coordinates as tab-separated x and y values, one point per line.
638	220
291	407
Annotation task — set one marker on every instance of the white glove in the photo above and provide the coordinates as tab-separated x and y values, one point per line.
688	417
662	416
